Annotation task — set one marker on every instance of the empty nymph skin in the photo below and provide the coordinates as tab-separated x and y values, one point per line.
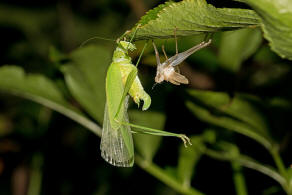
168	70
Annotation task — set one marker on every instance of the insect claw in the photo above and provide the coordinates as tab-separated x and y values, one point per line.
185	143
186	140
138	104
189	141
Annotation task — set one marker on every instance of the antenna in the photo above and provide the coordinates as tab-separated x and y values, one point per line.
154	86
92	38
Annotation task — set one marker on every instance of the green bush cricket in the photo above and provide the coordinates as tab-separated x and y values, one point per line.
116	142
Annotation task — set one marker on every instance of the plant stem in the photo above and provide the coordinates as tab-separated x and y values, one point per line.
281	167
239	180
63	109
164	177
35	181
278	161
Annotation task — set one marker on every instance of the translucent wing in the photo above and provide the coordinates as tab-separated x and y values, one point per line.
117	144
180	57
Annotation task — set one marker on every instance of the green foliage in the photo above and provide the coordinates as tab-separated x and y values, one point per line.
240	44
276	17
85	75
15	80
147	145
40	89
257	107
236	114
192	17
188	159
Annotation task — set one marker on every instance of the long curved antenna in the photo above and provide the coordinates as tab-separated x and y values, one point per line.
92	38
154	85
132	38
176	49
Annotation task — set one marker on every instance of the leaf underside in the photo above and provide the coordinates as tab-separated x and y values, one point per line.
191	17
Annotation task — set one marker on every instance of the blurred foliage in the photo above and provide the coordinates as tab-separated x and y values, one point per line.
237	108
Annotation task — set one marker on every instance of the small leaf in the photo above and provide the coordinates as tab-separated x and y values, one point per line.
191	17
85	78
276	19
55	55
147	145
237	46
41	90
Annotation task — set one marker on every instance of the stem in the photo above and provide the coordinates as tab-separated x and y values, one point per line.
278	161
281	167
165	178
239	180
63	109
35	181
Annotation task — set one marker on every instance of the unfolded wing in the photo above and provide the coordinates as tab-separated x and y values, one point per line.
117	144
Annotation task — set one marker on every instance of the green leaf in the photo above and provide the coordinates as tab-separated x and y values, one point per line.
85	78
237	46
41	90
191	17
276	19
147	145
238	114
55	55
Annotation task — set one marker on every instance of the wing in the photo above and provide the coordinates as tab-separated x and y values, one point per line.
117	144
180	57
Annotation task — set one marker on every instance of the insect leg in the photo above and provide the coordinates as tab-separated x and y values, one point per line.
183	55
176	49
128	84
132	38
156	53
151	131
164	52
